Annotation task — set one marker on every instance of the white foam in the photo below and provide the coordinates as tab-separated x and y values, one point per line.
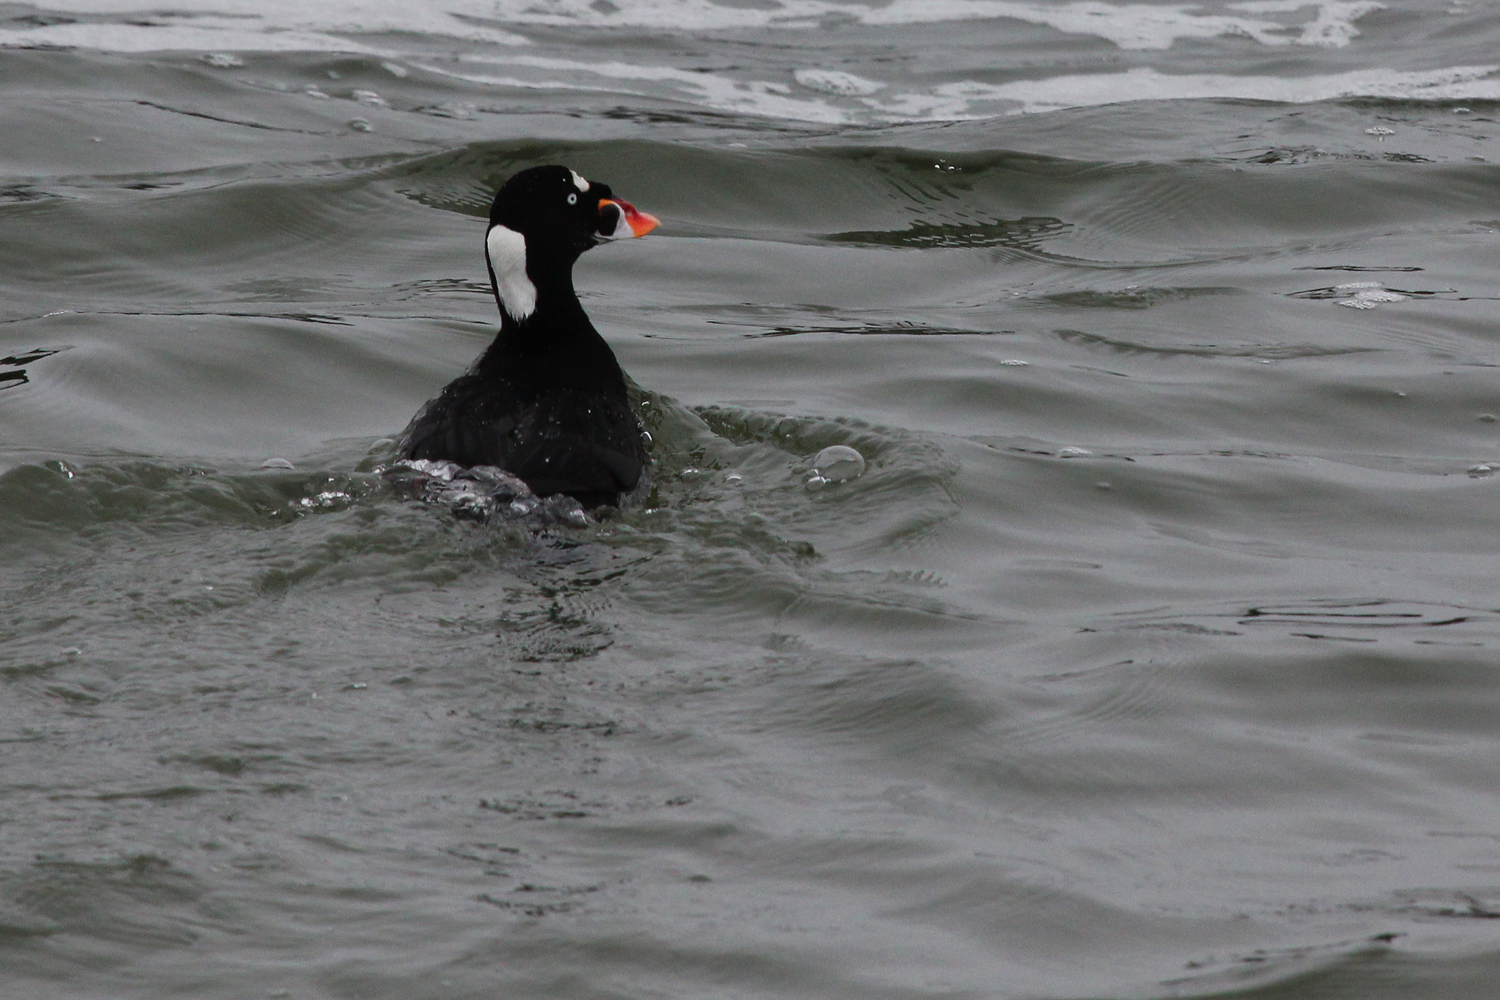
969	99
1128	25
1366	294
1369	298
153	38
259	25
832	81
810	93
283	25
1333	24
758	97
979	100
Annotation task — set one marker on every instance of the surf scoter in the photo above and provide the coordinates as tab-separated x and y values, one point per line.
546	401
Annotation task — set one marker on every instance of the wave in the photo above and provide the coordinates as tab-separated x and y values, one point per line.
1127	25
975	100
860	101
781	82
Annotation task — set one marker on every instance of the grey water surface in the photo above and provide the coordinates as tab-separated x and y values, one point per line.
1155	654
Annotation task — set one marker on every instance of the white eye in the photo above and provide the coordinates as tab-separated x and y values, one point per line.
572	199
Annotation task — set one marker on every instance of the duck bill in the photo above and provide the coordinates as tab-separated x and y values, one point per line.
628	222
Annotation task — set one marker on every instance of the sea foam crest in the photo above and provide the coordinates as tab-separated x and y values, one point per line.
287	25
1128	25
507	60
856	100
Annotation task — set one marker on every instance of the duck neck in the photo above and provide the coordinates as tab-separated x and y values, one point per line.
543	307
552	344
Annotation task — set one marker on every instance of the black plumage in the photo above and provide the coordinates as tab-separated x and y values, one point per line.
547	400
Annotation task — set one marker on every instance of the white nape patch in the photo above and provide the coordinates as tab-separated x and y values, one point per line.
579	181
506	250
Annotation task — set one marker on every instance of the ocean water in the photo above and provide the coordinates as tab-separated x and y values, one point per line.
1153	654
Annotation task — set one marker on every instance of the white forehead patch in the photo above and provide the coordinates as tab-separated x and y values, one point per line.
506	250
579	181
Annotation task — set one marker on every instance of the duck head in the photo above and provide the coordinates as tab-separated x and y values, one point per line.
542	219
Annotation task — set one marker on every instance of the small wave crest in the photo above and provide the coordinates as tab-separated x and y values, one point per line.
493	53
1128	25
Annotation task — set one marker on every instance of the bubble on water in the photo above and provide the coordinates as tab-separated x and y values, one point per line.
690	475
222	60
312	91
1480	471
832	81
370	99
1072	451
360	124
838	463
1486	418
277	463
395	69
734	479
1013	362
814	482
1380	130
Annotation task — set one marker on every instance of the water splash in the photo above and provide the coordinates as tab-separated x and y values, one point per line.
483	493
